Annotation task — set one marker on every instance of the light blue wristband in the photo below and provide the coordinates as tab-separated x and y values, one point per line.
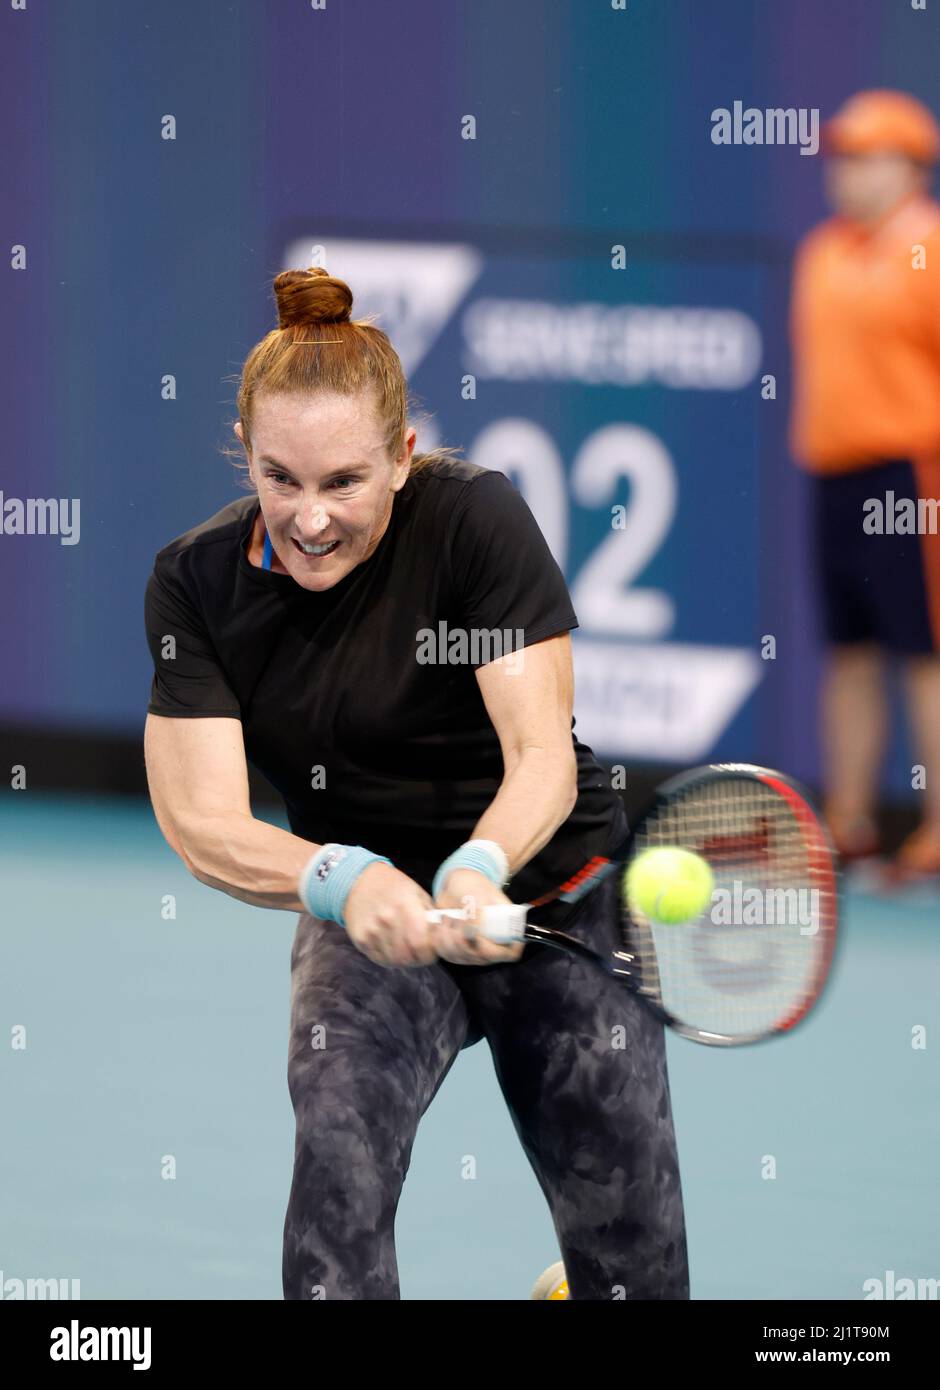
328	877
470	856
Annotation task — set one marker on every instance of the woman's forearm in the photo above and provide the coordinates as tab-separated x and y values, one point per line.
247	858
261	864
536	796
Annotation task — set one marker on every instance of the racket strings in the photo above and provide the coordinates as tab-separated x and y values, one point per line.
753	959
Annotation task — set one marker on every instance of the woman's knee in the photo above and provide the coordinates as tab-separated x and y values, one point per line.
351	1107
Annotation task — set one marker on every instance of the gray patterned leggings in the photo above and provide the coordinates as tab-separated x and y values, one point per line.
581	1065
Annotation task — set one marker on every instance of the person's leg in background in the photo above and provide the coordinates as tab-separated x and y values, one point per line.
581	1063
906	599
853	713
921	852
369	1048
854	734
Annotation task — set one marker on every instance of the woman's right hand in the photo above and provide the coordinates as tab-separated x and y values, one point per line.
385	917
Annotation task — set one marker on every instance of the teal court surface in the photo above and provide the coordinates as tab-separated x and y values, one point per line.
157	1043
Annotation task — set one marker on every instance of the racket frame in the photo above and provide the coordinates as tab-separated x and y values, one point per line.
622	965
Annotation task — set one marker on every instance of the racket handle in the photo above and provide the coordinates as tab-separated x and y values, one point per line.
502	922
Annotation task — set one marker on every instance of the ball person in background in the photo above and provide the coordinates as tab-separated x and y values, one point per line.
866	423
296	628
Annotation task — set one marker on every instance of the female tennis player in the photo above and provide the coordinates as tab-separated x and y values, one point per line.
385	635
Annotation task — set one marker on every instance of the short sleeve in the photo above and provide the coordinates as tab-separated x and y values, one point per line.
504	575
188	680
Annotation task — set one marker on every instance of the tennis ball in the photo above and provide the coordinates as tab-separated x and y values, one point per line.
669	885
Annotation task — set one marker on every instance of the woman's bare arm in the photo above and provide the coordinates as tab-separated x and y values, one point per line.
198	779
529	697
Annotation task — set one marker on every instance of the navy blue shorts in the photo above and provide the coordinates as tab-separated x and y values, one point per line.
874	588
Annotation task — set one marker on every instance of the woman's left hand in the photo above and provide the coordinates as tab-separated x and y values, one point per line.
461	941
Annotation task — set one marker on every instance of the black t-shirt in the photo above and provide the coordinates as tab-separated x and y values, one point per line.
367	743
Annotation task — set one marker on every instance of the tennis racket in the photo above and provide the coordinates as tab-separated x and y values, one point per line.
755	961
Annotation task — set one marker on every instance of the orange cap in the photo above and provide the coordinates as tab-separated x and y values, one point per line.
883	120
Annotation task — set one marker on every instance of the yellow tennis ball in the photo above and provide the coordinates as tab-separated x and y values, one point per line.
669	885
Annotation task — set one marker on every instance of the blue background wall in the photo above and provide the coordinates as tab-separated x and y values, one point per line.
149	256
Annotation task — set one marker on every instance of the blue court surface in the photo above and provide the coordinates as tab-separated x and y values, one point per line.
154	1040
